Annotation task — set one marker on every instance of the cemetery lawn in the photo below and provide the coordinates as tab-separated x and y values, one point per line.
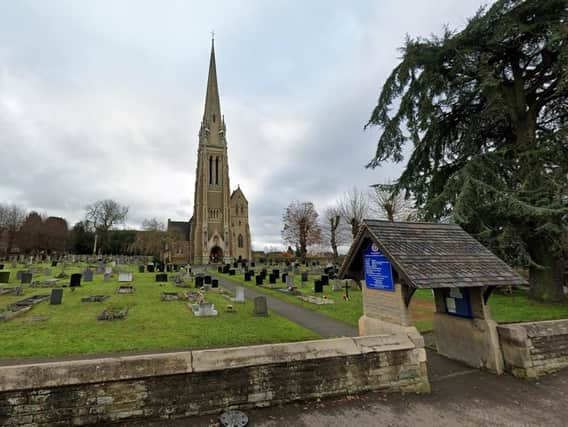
345	311
504	308
72	328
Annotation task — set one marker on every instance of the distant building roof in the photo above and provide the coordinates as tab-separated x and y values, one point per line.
428	255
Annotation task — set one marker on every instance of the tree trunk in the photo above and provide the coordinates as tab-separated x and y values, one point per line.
546	283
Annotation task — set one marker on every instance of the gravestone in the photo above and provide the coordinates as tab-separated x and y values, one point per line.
19	274
4	276
290	282
305	276
337	285
75	280
94	298
259	280
271	279
219	269
204	309
108	270
1	266
170	296
248	276
141	269
107	277
199	281
239	295
125	289
207	280
88	275
324	280
126	276
56	296
284	277
260	306
26	277
54	263
232	272
318	286
150	268
161	277
214	283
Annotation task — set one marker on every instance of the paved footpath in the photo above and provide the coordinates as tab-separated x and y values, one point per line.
323	325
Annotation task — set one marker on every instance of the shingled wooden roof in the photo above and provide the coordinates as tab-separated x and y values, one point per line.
427	255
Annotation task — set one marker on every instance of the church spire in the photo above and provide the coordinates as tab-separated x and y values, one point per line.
212	113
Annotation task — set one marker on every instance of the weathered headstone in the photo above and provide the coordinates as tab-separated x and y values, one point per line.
4	276
56	296
214	283
305	276
88	275
150	268
26	277
318	286
239	295
161	277
207	280
260	306
141	269
259	280
204	309
126	276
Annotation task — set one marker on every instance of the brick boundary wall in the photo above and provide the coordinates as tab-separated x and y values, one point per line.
170	385
533	349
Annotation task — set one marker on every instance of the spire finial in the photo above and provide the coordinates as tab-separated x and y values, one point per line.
212	37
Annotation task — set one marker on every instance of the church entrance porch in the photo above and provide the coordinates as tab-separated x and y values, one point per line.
216	255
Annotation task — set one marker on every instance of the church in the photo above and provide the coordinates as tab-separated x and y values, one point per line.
219	229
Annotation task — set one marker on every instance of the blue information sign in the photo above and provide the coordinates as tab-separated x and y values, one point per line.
378	269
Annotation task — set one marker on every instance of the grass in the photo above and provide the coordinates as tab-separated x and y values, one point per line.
72	329
345	311
504	308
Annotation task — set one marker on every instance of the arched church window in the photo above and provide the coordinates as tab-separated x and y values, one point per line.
241	242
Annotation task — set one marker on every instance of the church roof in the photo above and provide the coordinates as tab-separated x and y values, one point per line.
239	191
430	255
182	227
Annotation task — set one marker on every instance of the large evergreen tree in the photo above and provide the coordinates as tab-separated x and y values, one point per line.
486	113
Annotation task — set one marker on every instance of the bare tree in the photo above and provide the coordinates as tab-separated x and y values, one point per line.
353	207
11	219
334	230
386	202
153	224
301	227
104	214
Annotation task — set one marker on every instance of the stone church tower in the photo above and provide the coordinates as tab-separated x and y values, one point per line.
219	229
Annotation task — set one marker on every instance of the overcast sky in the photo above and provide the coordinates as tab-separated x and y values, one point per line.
103	99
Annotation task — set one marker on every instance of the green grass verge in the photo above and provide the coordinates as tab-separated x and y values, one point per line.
71	328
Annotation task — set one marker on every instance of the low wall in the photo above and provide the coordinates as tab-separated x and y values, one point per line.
532	349
206	381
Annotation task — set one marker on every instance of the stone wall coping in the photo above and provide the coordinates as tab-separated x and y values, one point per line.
217	359
539	328
98	370
69	372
